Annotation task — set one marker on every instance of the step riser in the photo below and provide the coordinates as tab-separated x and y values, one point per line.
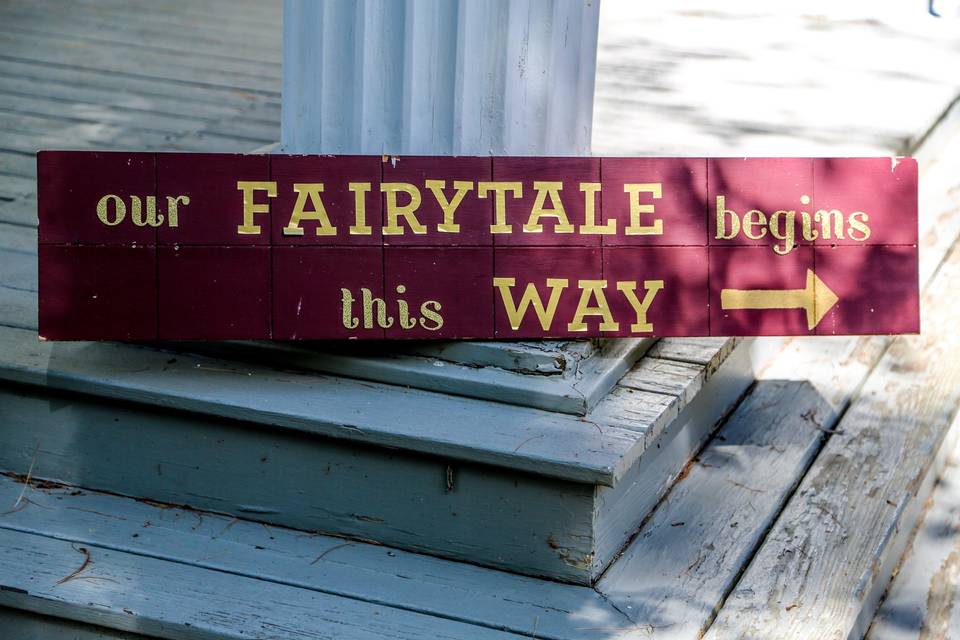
486	515
620	510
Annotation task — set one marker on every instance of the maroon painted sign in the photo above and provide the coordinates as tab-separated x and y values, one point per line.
144	246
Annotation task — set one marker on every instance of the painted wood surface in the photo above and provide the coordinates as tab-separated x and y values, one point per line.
456	78
356	253
177	601
427	503
23	625
416	500
565	376
921	603
533	441
829	557
350	569
160	101
686	557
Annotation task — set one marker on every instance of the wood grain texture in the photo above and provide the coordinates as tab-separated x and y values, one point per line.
351	569
828	559
564	375
536	441
427	503
175	601
921	603
684	559
24	625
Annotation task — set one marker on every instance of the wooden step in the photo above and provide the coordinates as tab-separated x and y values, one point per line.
174	573
249	432
426	472
568	376
829	557
923	598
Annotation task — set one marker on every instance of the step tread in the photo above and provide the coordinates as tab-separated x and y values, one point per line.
828	559
187	540
593	449
172	600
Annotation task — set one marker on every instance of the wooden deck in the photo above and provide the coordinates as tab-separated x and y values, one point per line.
789	523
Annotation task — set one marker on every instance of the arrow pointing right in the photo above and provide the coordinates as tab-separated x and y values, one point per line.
816	299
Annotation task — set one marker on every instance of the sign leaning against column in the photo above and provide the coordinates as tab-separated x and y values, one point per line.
143	246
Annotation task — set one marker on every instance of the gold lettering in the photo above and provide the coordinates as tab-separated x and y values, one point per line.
592	289
449	207
430	310
360	226
628	289
405	321
655	189
827	219
251	208
752	219
590	226
722	215
500	190
395	211
806	225
545	191
173	212
136	214
346	299
531	297
309	191
858	225
784	232
119	209
369	302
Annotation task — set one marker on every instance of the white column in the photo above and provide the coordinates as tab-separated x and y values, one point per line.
439	77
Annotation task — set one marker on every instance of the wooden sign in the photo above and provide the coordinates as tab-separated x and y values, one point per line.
144	246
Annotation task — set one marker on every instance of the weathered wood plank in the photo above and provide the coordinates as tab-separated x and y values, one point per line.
686	556
54	34
209	37
580	384
922	601
164	68
427	503
830	554
534	441
706	351
17	164
19	272
127	592
24	625
20	211
676	378
96	87
18	238
573	388
665	454
319	563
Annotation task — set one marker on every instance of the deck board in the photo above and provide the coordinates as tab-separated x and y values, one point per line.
137	593
829	557
922	602
275	555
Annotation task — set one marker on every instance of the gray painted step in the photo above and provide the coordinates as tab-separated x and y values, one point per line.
332	566
166	599
534	476
923	601
829	557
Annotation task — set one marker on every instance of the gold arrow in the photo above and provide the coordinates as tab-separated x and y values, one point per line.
816	299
